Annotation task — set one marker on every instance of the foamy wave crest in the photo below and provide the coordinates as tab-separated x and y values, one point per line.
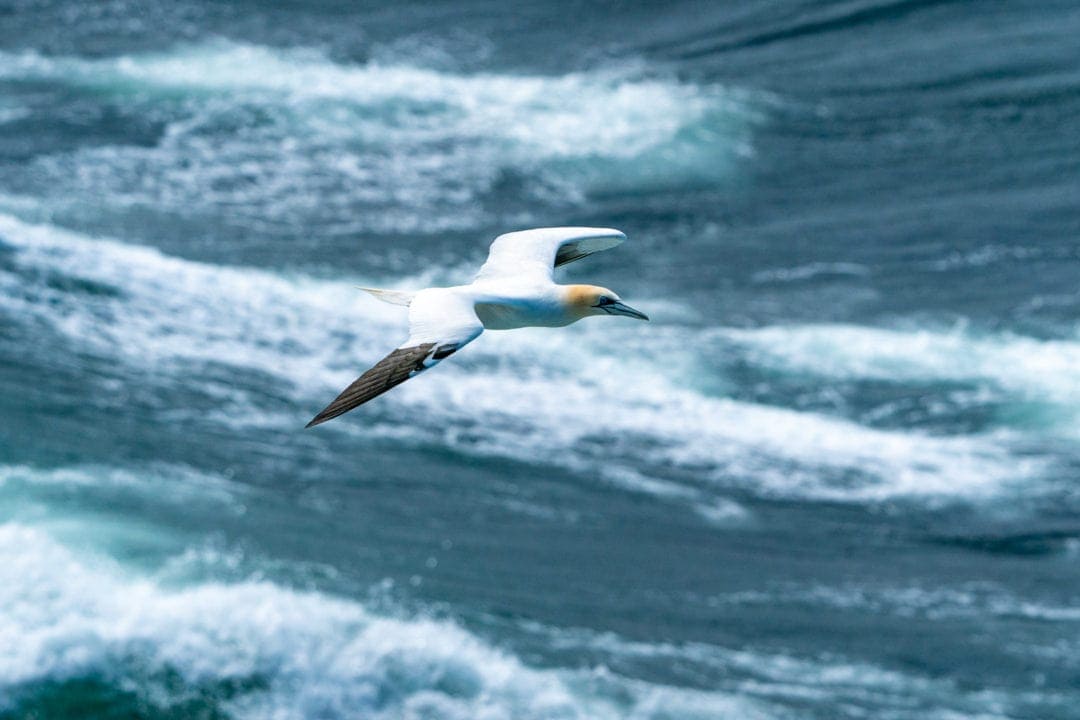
258	650
599	398
971	600
823	683
600	113
1045	371
273	133
96	492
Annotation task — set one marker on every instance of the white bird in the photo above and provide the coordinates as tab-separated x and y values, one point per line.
514	288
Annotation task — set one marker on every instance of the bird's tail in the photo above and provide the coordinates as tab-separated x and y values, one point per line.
394	297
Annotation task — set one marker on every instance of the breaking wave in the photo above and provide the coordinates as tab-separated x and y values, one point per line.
290	136
83	626
1043	371
606	402
259	650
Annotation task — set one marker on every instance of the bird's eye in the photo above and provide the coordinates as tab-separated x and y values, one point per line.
604	300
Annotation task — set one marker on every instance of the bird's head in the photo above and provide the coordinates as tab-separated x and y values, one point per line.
586	300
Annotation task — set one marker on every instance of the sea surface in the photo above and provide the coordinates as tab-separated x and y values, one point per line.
837	476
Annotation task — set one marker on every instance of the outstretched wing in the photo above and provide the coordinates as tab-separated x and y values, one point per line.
534	254
391	371
440	322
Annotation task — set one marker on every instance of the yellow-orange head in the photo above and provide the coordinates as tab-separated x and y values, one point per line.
585	300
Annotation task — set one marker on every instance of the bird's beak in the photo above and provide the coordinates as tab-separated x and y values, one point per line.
620	308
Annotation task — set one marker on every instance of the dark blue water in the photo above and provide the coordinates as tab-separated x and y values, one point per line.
836	477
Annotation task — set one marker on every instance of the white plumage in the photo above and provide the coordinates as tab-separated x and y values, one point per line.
514	288
534	254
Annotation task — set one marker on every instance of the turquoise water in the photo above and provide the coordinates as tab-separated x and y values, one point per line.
835	477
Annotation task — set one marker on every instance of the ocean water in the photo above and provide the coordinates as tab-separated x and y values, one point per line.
837	476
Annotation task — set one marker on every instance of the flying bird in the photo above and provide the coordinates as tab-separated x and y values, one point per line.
514	288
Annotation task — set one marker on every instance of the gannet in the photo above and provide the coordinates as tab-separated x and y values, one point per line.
514	288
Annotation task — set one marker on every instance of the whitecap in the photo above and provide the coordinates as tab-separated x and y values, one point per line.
829	680
810	271
972	600
598	398
1026	368
294	654
289	137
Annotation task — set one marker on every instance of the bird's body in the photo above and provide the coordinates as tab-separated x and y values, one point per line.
501	306
515	288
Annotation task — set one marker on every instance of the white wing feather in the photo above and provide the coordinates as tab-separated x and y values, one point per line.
445	316
440	322
534	254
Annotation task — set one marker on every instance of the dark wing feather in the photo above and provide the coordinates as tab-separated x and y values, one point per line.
535	253
391	371
568	254
573	250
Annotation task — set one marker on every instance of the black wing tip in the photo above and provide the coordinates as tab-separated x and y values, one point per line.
319	419
324	416
391	371
328	413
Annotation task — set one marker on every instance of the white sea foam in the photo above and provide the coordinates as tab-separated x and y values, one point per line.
600	398
414	148
1046	371
850	351
24	486
810	271
638	413
979	600
304	654
173	482
578	114
830	680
